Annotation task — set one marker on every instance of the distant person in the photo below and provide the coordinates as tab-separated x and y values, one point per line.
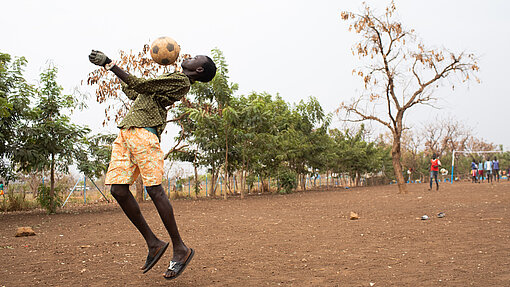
480	171
474	171
488	170
410	175
2	189
434	170
495	168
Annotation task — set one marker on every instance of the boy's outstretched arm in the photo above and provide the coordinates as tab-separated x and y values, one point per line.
100	59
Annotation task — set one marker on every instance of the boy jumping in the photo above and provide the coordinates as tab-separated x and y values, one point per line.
136	151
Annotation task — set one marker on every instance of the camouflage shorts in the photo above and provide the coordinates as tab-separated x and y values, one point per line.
136	151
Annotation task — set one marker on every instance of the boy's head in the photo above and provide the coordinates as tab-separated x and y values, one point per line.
200	68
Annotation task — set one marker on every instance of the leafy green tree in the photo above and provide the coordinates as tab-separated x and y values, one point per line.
49	141
308	126
204	136
356	156
267	121
15	95
94	155
253	125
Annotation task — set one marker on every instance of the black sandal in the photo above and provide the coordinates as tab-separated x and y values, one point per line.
178	267
152	260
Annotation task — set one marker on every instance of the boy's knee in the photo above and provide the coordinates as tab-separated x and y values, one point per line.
119	191
155	191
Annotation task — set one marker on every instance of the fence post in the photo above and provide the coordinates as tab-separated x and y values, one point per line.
189	187
84	189
206	185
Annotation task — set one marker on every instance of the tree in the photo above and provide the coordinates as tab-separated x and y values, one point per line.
355	155
304	136
446	134
206	132
253	128
93	160
401	73
49	141
268	122
15	95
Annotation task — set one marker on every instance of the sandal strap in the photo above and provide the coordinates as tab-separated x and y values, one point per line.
175	266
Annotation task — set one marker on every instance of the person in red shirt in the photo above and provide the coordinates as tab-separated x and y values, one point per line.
434	170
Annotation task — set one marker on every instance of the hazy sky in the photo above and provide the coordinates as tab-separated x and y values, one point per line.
295	48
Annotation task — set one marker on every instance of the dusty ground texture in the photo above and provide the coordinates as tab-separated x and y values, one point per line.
302	239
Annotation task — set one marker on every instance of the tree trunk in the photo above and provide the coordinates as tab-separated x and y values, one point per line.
243	183
226	164
227	186
197	183
34	183
139	189
52	185
396	155
214	179
263	184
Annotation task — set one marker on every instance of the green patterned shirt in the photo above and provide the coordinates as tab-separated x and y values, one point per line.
152	97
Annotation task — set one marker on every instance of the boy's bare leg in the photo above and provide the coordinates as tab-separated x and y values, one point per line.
131	208
165	210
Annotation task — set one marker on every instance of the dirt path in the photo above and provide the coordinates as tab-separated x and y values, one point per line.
302	239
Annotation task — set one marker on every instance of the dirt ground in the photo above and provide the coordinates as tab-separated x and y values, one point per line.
301	239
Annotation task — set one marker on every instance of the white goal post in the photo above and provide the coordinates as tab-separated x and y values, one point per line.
469	152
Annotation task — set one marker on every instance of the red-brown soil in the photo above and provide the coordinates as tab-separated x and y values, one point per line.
301	239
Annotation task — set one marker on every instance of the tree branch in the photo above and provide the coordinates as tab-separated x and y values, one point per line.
353	109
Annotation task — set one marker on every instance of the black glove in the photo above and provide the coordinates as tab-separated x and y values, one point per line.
99	58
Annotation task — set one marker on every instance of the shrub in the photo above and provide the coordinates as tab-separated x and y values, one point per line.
287	181
15	202
46	202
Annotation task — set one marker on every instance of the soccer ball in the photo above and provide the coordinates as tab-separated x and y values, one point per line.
164	50
444	171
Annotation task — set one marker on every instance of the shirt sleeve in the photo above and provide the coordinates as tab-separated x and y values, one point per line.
166	89
130	93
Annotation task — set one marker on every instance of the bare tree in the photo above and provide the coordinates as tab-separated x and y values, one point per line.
476	144
400	74
446	134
